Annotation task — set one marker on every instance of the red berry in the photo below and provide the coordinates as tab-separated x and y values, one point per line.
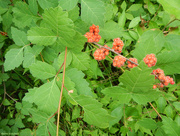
150	60
118	61
154	86
130	64
118	45
101	53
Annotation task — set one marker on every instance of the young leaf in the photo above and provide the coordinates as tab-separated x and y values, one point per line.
13	59
92	11
170	127
80	61
68	4
110	30
147	123
122	19
169	62
19	37
81	85
134	22
47	97
42	70
150	42
93	112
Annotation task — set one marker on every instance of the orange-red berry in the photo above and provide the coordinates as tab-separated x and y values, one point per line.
130	64
150	60
118	61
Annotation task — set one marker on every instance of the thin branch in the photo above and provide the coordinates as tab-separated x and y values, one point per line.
168	24
155	110
60	99
100	46
59	69
156	12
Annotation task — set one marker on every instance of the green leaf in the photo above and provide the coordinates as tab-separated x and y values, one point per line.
134	22
41	36
13	59
92	11
147	123
49	54
48	3
7	20
23	15
169	61
177	105
6	102
46	97
81	85
42	70
94	114
74	14
171	7
150	42
33	6
19	37
138	80
68	4
118	93
122	19
80	61
151	7
110	30
57	20
170	127
134	7
172	42
109	11
161	104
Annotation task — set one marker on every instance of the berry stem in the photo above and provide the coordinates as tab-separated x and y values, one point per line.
100	46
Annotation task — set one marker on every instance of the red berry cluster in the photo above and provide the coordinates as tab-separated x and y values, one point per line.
93	34
118	45
150	60
101	53
3	33
165	80
118	61
130	64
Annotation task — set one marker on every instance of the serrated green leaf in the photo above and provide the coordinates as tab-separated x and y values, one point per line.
177	105
172	42
150	42
170	127
92	11
57	20
118	93
7	20
171	7
68	4
169	62
93	112
29	97
138	80
22	15
109	11
49	54
60	60
19	37
48	3
46	97
81	26
110	30
13	59
33	6
29	57
41	36
74	13
151	7
122	19
42	70
80	61
134	22
81	85
161	104
147	123
134	7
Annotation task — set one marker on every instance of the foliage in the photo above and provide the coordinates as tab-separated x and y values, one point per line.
50	79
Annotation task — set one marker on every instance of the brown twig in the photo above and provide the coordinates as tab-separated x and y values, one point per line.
60	99
100	46
168	24
155	110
